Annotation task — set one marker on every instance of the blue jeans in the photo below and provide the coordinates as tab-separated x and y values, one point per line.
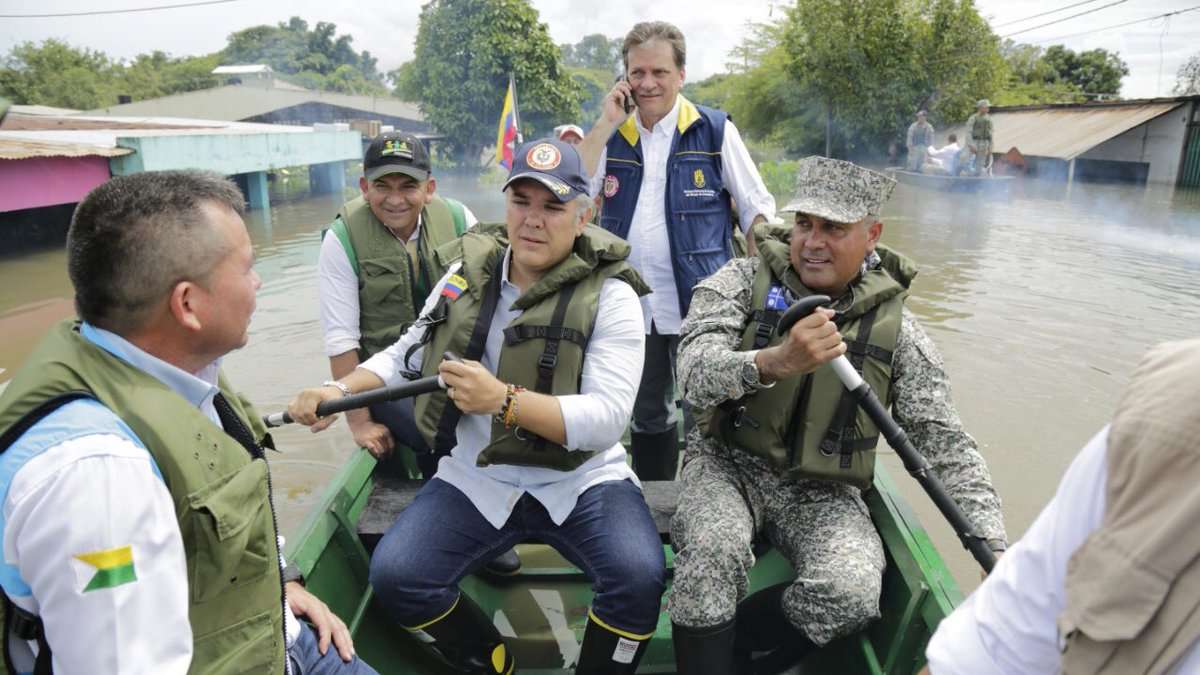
441	537
306	659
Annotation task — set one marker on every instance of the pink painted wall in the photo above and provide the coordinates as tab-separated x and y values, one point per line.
46	181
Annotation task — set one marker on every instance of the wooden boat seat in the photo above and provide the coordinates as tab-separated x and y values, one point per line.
392	495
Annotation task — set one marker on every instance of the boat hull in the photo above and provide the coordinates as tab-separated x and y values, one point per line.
543	610
943	183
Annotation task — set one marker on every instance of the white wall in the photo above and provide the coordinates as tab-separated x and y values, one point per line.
1158	142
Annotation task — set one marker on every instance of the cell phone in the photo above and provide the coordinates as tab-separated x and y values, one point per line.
629	103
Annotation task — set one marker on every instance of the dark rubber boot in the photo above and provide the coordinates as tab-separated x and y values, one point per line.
765	641
704	651
605	652
655	456
465	639
506	564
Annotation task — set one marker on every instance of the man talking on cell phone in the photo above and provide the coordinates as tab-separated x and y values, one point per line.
666	173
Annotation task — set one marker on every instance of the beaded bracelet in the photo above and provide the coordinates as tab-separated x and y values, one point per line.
508	411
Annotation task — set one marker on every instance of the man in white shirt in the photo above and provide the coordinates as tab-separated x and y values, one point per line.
1104	580
945	158
375	269
138	530
551	332
666	174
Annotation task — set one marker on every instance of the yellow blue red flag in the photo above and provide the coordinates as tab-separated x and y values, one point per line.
508	136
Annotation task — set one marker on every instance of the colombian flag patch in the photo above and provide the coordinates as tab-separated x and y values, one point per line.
454	287
104	569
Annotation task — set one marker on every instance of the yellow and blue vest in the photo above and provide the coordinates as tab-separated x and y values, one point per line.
698	209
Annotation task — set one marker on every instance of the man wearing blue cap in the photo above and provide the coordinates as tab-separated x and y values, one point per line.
549	326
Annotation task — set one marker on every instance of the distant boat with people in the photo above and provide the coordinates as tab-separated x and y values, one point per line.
961	183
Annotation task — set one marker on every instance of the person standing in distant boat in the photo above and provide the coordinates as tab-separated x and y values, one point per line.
920	137
979	134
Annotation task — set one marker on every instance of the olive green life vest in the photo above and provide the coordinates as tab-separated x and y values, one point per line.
390	291
981	127
809	427
543	347
222	494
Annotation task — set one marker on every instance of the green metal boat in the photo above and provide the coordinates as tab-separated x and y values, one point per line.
542	610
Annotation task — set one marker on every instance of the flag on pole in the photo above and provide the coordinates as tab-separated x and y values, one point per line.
508	136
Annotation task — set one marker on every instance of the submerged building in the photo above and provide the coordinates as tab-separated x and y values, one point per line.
1139	141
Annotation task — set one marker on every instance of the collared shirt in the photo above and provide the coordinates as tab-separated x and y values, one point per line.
1008	625
594	418
337	288
946	152
98	492
650	244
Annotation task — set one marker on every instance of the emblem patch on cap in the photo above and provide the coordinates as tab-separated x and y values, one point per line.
543	157
698	178
611	185
396	147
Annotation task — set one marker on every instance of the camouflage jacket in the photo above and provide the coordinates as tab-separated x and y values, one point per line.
710	371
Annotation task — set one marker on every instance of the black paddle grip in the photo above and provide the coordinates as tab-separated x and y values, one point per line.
803	307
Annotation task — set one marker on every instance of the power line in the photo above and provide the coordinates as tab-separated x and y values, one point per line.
114	11
1073	16
1119	25
1053	11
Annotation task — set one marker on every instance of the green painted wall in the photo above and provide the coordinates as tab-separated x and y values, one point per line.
235	153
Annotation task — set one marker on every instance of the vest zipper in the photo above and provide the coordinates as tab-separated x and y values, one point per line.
260	454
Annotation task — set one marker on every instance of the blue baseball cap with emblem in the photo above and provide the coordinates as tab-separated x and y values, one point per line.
554	164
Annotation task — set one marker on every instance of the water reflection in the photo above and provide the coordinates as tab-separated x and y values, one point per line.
1041	302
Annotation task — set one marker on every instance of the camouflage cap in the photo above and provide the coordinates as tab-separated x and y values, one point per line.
983	103
837	190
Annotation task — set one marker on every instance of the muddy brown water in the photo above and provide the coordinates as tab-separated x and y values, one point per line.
1041	302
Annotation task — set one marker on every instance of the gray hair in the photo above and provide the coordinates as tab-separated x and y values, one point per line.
133	238
646	31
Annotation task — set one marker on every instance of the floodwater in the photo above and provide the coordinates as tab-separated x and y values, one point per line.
1041	302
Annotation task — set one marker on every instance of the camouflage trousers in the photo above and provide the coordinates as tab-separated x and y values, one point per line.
823	529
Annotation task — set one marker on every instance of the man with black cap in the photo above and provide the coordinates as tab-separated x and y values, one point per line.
548	323
375	271
786	452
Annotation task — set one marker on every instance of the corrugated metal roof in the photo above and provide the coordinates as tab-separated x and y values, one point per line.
23	148
243	101
1068	131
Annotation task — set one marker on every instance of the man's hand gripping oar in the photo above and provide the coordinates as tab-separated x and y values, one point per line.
914	462
301	408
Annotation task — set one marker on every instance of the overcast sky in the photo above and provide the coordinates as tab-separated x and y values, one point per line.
1154	50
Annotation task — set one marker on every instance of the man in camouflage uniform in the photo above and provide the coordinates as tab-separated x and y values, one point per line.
733	494
918	140
979	133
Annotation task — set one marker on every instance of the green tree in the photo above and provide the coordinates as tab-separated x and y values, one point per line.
465	51
1031	79
1096	71
57	74
1187	80
872	63
594	51
316	58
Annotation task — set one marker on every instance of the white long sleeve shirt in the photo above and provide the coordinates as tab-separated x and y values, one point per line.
95	493
594	418
1008	625
337	289
650	245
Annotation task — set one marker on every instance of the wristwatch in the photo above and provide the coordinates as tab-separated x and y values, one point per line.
750	375
340	386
